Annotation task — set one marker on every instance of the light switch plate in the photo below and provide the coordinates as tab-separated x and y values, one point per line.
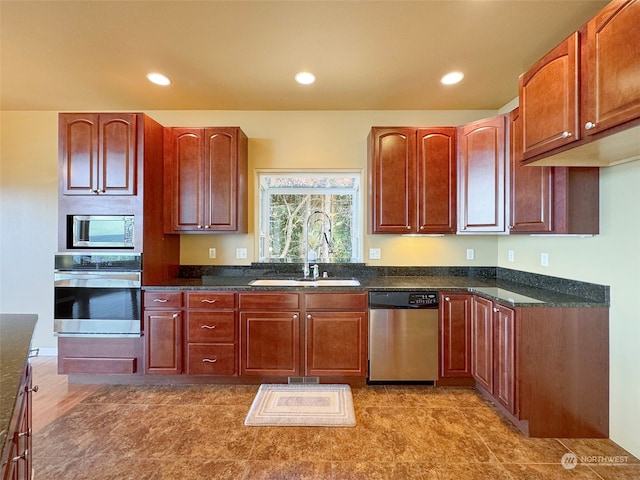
471	254
544	259
511	256
374	254
241	253
212	253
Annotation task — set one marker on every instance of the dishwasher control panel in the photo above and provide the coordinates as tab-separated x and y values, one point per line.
423	299
403	299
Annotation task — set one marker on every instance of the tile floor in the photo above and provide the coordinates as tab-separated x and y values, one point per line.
402	432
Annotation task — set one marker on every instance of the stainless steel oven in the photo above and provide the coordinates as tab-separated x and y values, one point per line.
98	294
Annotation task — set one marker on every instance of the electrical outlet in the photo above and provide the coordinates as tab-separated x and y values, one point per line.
374	254
511	256
544	259
241	253
470	254
212	253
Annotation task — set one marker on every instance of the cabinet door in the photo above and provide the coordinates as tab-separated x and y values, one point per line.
482	176
336	344
531	188
221	174
549	96
505	357
98	153
482	342
185	149
270	343
613	66
392	172
437	173
163	333
455	335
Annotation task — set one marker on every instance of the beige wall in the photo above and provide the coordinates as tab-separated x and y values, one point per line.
280	140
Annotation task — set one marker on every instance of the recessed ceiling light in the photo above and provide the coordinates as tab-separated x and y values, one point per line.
158	79
305	78
452	78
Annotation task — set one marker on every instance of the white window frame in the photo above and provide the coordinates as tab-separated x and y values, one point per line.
357	215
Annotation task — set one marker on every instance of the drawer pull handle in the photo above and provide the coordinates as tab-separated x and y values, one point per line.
161	300
209	360
210	327
205	300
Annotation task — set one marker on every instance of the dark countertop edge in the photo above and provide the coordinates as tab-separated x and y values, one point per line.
15	345
547	298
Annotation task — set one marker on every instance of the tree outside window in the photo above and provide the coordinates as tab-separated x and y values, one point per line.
310	215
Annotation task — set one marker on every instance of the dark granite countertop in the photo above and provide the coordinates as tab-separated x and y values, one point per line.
505	291
16	331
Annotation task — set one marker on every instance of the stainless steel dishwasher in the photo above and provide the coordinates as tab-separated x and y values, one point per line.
403	336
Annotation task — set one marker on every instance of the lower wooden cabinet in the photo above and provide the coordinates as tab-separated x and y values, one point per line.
336	334
163	327
211	334
17	463
455	339
482	342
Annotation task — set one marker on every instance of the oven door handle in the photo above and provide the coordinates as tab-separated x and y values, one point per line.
98	279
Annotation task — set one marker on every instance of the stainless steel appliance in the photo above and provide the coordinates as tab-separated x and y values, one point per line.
98	294
100	231
403	336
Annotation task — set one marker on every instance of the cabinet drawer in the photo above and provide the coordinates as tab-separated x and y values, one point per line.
340	301
211	300
281	301
211	327
207	359
168	300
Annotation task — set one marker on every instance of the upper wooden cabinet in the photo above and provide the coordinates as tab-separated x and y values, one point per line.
98	153
549	100
563	200
412	177
207	180
482	176
580	104
612	67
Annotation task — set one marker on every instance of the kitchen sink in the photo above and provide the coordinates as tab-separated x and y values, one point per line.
319	282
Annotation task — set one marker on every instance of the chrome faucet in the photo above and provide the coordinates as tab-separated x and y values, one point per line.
327	220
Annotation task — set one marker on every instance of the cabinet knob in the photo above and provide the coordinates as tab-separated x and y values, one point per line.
200	227
209	360
176	315
589	125
495	309
408	227
295	316
206	226
447	299
566	134
33	389
421	227
309	316
209	327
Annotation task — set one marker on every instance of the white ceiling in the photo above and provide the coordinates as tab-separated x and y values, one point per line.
242	55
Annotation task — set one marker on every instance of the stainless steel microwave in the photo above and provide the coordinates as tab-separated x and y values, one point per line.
101	231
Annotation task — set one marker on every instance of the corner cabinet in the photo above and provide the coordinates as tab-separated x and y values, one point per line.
412	178
544	199
482	176
206	182
98	153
